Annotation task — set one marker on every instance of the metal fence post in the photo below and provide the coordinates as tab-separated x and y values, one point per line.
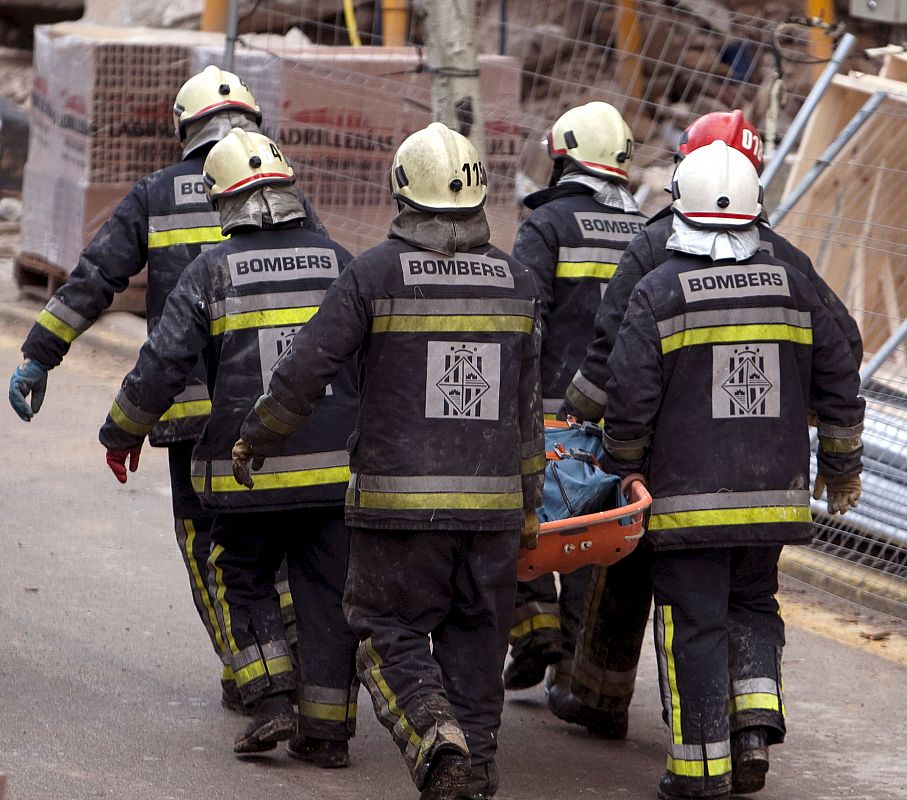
230	42
806	110
831	153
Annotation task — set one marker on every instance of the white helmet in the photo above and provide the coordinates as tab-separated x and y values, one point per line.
717	186
595	138
211	91
437	169
243	160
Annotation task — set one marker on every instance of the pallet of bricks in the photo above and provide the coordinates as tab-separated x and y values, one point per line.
102	119
99	122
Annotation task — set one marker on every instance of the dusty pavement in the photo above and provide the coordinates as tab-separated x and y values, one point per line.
109	688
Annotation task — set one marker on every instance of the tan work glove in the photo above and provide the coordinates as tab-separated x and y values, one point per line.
843	492
529	536
243	457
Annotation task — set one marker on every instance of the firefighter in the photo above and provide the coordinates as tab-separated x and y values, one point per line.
722	350
447	458
165	221
572	241
614	617
239	305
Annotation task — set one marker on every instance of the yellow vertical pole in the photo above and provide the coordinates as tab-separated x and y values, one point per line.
820	44
214	15
394	22
629	45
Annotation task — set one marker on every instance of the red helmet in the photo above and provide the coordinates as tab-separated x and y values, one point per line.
730	127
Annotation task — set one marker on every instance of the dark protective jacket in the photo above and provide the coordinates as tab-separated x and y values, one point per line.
586	394
713	369
572	244
450	431
165	221
240	305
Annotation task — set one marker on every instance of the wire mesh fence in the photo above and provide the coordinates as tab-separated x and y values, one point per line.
340	112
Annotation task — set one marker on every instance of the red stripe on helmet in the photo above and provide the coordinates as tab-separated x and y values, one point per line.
222	104
563	152
257	176
718	215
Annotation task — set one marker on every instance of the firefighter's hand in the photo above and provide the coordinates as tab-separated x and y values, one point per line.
842	492
116	460
243	458
529	536
627	482
29	377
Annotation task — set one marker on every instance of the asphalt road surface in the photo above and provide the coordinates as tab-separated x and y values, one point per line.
109	687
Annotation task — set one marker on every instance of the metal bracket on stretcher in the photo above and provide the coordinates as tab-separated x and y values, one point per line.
568	544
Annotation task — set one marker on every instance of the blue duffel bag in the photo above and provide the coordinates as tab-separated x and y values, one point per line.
575	484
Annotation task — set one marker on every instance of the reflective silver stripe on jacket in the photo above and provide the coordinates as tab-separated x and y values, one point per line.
734	316
534	609
334	458
248	303
533	448
593	392
134	412
720	500
551	405
439	483
65	314
838	432
408	306
191	219
192	393
601	255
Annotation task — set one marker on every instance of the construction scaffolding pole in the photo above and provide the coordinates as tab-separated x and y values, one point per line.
450	27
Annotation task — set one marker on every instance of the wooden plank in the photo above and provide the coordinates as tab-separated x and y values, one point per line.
894	67
851	222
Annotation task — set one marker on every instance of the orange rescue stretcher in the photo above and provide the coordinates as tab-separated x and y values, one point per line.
602	538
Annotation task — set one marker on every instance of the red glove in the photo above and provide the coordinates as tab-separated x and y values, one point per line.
116	460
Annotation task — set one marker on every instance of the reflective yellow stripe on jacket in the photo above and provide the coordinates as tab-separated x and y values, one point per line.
730	508
194	227
735	325
413	315
283	472
404	492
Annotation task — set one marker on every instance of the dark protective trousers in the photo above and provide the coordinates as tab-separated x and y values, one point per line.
193	535
612	629
718	639
247	551
544	616
431	610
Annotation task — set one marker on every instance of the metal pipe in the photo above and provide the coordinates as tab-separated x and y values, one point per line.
831	153
232	35
394	22
214	15
809	105
502	27
883	353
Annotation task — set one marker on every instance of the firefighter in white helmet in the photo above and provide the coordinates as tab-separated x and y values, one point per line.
447	457
719	354
164	222
241	317
572	241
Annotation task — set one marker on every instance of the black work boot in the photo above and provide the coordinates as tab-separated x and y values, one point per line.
323	753
527	667
273	721
567	706
675	787
447	777
230	699
749	755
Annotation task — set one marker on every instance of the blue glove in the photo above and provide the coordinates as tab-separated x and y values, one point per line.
30	377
